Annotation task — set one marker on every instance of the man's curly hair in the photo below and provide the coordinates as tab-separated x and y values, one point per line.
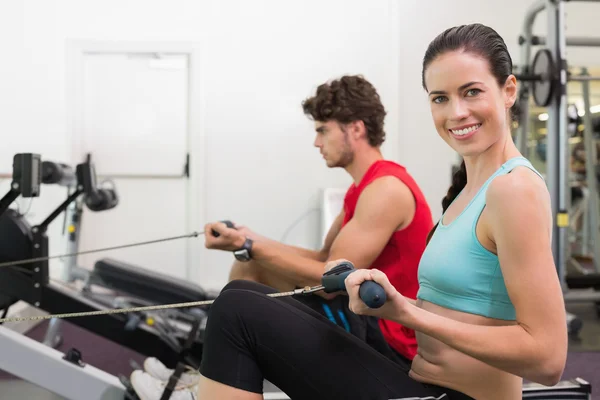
349	99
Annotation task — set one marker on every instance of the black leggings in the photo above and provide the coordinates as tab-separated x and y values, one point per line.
251	337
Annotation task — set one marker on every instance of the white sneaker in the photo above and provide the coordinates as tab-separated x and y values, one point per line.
157	369
148	387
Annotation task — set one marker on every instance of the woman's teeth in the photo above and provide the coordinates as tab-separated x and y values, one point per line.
460	132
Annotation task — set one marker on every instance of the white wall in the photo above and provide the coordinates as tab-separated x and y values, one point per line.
260	59
264	58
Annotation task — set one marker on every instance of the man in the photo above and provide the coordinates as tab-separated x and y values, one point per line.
384	222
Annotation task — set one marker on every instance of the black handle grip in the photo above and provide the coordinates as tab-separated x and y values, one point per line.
371	293
226	222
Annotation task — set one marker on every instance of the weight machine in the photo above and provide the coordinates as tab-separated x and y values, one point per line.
19	241
67	374
545	79
62	374
122	285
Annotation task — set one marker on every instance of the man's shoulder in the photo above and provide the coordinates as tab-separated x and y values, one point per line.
386	202
385	163
387	187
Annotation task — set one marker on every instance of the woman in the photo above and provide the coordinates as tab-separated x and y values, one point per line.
490	309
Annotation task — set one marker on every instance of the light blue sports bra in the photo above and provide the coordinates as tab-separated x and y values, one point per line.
457	272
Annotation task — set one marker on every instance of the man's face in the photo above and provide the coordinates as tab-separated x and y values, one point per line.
334	144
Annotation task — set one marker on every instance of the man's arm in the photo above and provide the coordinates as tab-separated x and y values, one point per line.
333	233
386	205
317	255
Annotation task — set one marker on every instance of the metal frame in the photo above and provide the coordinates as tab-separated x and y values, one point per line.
144	339
570	389
584	78
51	371
530	15
57	299
581	41
554	159
592	217
34	361
557	159
184	175
44	366
33	286
558	154
70	272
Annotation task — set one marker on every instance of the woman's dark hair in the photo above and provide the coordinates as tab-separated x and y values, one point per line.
350	98
486	43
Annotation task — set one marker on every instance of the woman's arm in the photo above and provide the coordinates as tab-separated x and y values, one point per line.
518	207
536	347
513	349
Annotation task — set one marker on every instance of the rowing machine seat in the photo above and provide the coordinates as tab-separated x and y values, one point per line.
576	388
143	283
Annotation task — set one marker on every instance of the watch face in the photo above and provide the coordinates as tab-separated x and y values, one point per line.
242	255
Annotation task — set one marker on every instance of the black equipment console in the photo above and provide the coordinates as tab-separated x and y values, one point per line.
27	173
26	179
96	199
58	174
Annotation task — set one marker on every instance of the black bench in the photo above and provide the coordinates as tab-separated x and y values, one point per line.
149	285
583	281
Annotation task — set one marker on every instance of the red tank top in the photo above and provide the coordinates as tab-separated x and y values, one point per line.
400	257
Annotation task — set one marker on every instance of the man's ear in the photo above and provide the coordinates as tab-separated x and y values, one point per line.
359	129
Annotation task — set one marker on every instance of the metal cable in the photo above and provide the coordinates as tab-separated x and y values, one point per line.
133	309
36	259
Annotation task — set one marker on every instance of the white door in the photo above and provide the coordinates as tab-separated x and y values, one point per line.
132	118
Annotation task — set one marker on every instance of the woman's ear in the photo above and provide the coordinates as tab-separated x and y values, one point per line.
510	91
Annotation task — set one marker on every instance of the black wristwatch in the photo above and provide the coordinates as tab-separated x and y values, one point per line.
244	254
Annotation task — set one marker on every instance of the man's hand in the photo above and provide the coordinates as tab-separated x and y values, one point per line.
246	232
229	239
328	266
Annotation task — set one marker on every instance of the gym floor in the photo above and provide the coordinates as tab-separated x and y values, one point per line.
583	359
584	350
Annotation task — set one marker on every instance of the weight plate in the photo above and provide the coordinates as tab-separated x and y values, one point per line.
543	66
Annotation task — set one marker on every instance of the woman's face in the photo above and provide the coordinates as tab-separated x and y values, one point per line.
469	108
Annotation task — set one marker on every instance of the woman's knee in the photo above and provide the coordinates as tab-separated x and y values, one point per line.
237	297
233	311
226	306
242	284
